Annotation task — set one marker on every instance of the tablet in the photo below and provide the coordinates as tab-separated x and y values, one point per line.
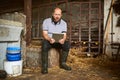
57	36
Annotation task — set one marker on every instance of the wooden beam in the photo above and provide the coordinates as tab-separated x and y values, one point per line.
108	24
28	13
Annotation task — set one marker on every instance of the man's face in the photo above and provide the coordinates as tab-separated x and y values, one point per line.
57	15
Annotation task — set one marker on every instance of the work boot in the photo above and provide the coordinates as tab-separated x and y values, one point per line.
44	57
63	60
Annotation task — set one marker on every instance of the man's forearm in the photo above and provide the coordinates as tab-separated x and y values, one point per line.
47	38
65	36
45	35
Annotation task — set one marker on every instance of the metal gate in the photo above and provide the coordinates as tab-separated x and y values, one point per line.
84	23
86	26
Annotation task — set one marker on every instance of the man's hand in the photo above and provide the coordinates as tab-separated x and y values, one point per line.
52	40
61	41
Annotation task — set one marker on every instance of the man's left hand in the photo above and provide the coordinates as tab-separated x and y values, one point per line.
61	41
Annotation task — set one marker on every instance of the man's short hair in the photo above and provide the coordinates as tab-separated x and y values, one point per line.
56	8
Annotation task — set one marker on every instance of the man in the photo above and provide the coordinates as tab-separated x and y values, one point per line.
50	26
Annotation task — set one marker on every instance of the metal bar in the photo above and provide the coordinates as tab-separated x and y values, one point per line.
80	26
67	13
28	13
85	2
70	23
38	24
89	45
99	44
112	26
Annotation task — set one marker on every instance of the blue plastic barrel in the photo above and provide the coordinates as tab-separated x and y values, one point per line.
13	53
13	57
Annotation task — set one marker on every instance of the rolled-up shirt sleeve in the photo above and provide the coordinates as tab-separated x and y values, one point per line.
45	26
64	28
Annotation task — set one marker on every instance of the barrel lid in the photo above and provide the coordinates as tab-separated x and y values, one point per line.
13	48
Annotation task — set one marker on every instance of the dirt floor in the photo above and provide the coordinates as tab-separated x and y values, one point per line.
83	68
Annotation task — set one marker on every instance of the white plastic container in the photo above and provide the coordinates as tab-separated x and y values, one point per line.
13	68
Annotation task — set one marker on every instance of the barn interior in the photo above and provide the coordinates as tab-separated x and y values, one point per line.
93	32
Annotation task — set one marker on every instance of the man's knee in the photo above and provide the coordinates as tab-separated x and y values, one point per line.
66	46
45	45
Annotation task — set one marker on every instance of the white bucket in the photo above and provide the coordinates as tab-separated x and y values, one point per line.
13	68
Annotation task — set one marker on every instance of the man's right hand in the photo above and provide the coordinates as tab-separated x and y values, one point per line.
52	40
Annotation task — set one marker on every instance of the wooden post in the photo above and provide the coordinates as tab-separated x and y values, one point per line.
28	13
108	24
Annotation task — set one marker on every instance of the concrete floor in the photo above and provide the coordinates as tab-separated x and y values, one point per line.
82	69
